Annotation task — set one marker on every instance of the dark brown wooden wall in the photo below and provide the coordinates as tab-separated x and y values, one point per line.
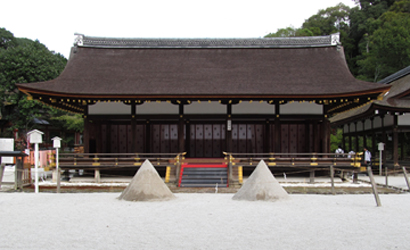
204	140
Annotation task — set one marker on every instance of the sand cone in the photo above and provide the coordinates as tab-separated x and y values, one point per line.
261	185
146	185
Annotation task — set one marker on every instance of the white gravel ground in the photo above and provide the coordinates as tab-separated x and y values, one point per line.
203	221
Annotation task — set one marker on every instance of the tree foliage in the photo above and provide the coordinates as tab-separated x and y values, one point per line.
328	21
374	34
6	39
388	47
26	61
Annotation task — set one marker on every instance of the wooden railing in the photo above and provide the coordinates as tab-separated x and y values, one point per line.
116	160
295	159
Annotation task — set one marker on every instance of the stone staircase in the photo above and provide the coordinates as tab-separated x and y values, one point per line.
203	175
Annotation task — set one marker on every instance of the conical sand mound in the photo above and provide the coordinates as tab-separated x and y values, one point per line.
261	185
146	185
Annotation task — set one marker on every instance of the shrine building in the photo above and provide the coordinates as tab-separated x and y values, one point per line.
206	96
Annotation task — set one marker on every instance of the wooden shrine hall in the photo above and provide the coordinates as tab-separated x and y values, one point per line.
206	96
385	120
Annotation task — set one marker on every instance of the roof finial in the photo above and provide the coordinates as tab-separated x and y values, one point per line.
78	39
335	39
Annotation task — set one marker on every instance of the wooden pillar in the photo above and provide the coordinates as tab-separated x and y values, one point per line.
133	127
108	146
356	138
350	137
384	139
316	139
307	137
374	147
278	129
86	135
325	135
181	132
364	135
98	139
148	137
395	141
188	139
228	127
344	139
401	141
266	139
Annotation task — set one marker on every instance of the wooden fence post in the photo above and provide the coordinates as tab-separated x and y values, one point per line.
374	188
97	176
406	177
332	179
312	176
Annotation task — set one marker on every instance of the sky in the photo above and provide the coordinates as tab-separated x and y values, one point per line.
54	23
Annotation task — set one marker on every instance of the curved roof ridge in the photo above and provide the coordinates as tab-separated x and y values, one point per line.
273	42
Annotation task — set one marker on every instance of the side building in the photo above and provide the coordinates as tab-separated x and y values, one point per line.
384	120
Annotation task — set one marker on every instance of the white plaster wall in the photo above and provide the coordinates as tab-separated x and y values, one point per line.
388	120
377	123
301	108
205	107
368	124
253	108
404	120
109	108
157	108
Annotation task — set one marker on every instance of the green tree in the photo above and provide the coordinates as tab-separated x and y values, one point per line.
292	31
388	47
363	23
328	21
336	139
24	62
6	39
71	122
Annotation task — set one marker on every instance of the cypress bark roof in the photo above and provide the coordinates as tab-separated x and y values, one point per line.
300	67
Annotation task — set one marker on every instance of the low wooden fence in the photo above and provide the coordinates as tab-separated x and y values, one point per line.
296	159
22	170
100	161
294	162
